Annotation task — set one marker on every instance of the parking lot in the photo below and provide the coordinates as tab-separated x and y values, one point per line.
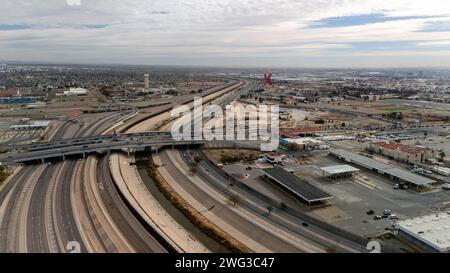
353	198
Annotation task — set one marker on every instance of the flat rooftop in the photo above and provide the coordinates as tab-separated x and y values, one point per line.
296	185
433	229
339	169
381	167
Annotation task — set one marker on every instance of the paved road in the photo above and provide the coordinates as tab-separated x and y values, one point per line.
50	222
288	219
139	236
245	226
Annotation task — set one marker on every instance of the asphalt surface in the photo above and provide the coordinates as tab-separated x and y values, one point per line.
289	219
41	226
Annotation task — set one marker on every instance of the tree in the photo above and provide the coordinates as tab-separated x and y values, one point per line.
293	147
269	210
193	170
234	199
197	159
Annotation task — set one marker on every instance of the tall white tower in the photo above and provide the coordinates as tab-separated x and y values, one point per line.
146	81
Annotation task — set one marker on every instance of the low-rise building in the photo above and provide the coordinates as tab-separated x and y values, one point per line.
274	158
430	232
76	92
401	152
306	143
297	133
9	93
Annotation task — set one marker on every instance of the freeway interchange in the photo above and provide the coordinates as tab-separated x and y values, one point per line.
102	204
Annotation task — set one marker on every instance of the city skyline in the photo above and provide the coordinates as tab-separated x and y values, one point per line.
313	34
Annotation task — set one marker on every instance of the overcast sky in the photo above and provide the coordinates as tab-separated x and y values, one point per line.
278	33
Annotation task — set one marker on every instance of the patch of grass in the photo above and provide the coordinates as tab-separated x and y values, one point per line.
233	158
3	174
331	249
397	108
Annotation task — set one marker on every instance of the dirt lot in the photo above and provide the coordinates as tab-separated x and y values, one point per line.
217	155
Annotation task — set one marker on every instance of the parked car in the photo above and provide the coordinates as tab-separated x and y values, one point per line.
387	212
397	186
393	217
370	212
377	217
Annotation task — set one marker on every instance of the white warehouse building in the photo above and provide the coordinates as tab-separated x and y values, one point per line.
430	232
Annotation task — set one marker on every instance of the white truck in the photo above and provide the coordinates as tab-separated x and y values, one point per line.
441	170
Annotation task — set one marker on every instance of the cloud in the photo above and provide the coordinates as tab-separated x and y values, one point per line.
246	32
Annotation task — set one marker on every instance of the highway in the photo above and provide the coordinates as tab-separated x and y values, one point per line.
250	232
255	235
291	220
43	207
257	238
37	200
46	206
138	234
311	239
137	194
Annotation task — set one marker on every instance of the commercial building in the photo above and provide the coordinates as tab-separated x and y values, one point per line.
296	186
339	171
18	100
430	232
297	133
274	158
306	143
396	174
400	152
9	93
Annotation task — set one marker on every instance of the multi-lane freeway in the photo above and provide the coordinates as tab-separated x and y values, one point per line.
101	203
44	207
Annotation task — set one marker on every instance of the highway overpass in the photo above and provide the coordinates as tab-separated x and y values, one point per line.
90	145
103	144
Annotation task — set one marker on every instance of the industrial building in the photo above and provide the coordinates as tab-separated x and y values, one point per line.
297	133
17	100
381	168
430	232
306	143
339	171
37	125
76	92
296	186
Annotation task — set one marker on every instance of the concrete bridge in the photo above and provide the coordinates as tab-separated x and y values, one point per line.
81	147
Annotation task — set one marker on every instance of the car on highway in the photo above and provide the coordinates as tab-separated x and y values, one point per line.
446	187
